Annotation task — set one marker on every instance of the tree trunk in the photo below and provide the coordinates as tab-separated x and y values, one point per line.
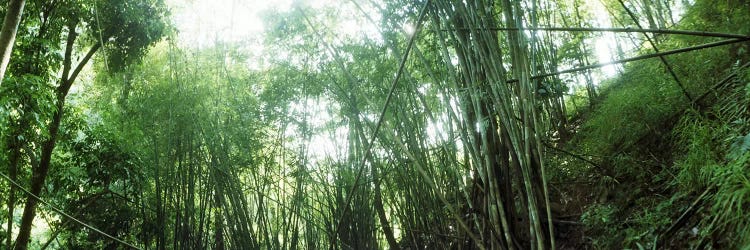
8	33
38	177
15	155
39	174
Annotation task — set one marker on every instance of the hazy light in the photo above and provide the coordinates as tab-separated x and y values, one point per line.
601	43
604	54
203	22
409	29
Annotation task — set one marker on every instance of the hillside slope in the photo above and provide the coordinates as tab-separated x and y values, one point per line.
671	168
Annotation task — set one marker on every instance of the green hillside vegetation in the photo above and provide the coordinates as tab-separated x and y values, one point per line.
677	169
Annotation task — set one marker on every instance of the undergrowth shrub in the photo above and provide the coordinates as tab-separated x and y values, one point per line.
717	155
730	207
698	139
600	221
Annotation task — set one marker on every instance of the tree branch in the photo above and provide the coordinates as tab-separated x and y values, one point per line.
68	81
67	60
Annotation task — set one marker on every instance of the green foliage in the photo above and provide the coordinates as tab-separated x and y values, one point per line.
128	27
189	148
639	124
27	98
740	145
599	216
730	216
192	117
35	92
38	50
577	103
720	16
94	178
639	103
600	221
717	156
700	141
643	226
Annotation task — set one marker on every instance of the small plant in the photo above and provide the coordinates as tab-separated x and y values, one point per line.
600	223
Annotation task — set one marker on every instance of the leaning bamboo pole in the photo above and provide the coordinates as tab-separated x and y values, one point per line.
641	57
616	30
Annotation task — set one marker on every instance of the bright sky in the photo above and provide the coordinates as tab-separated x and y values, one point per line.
202	22
602	44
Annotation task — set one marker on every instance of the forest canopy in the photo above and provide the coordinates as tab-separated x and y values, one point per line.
353	124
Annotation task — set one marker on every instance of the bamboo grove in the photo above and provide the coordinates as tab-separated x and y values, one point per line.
438	124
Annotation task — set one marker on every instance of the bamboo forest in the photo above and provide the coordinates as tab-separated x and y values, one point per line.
375	124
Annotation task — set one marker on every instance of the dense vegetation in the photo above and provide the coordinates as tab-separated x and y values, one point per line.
435	125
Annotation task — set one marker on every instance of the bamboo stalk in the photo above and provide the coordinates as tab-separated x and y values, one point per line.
615	30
